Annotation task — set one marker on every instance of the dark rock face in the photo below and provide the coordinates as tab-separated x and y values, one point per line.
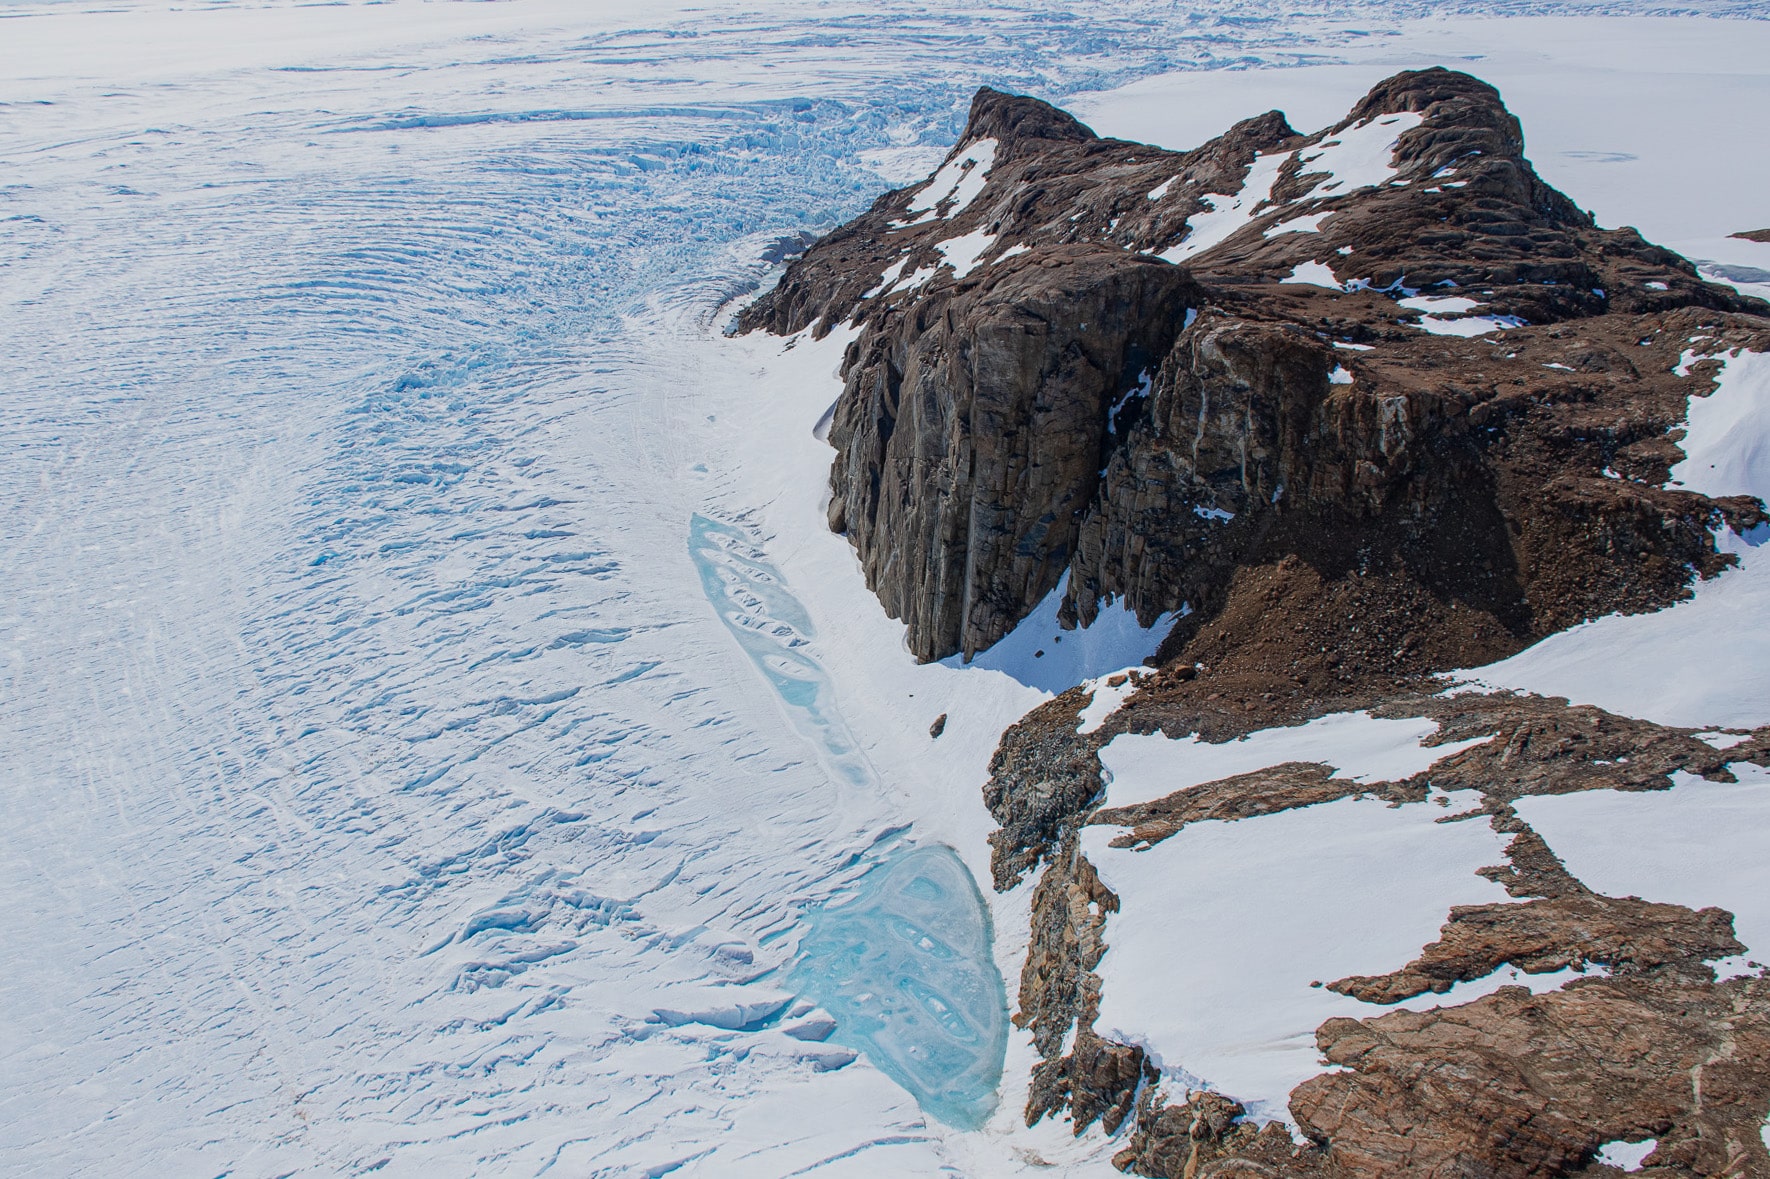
971	432
1033	391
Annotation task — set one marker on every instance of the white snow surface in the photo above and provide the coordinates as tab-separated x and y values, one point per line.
1308	223
959	181
1042	655
1315	274
887	278
1228	213
1706	661
1361	156
1438	303
1627	1156
1143	768
965	254
1224	928
1707	845
1468	325
1106	697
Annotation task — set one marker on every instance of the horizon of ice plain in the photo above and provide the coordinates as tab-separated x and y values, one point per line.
385	792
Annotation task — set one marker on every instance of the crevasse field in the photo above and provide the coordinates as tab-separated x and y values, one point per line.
437	735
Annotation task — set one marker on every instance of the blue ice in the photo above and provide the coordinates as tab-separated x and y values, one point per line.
773	629
906	969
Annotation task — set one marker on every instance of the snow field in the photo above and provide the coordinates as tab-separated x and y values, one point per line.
1707	845
1042	655
1226	929
1142	768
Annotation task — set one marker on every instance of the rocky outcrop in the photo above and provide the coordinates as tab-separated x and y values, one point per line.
1508	1085
1576	929
1366	406
1522	1084
1036	389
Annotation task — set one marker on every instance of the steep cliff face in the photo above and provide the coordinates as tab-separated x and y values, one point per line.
1148	369
972	431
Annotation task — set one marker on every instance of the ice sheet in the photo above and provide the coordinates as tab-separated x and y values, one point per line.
906	968
393	800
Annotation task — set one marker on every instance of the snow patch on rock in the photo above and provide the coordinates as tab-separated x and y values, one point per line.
965	254
1315	274
1361	156
959	181
1143	768
1627	1156
1227	214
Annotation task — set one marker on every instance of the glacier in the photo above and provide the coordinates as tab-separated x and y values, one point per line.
383	792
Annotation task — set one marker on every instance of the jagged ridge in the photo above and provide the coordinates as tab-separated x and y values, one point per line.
1072	403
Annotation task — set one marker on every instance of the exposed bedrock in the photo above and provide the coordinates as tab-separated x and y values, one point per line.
1037	388
971	432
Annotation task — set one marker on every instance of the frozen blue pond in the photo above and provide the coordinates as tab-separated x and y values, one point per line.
771	626
905	968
